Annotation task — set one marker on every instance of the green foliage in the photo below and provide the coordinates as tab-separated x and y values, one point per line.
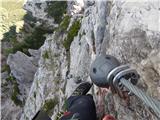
29	18
56	9
73	31
57	81
11	79
5	68
34	41
10	35
45	55
7	51
64	24
15	92
19	46
49	105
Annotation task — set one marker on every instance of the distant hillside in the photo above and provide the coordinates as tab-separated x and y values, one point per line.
12	14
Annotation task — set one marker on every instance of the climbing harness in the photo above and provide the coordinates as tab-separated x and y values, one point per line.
106	71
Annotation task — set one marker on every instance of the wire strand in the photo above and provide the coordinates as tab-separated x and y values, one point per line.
150	102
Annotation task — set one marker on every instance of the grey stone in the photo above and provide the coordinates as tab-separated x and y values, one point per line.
127	30
4	75
35	56
21	67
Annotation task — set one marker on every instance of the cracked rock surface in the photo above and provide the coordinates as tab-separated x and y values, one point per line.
130	31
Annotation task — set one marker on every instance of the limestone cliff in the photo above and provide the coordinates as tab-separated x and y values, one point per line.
127	30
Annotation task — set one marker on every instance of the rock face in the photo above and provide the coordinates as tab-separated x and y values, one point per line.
49	81
22	67
37	9
9	110
127	30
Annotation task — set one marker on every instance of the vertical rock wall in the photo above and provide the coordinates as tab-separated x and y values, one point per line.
128	30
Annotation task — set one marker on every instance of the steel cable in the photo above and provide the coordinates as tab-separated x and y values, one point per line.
152	103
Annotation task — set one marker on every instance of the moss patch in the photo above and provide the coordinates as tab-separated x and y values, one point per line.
5	68
49	105
64	24
15	91
56	9
73	31
45	55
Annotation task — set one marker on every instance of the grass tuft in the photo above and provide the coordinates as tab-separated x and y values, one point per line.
64	24
56	9
45	55
15	91
73	31
49	105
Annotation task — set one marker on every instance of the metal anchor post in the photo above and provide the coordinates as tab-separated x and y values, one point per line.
106	71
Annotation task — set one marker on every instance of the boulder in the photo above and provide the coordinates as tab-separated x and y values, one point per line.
22	68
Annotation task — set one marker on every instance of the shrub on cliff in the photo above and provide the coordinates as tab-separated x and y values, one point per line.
73	31
56	9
